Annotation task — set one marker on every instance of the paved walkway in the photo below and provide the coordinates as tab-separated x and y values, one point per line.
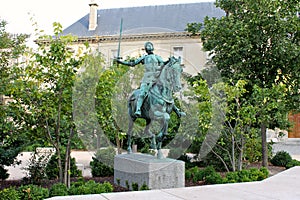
283	186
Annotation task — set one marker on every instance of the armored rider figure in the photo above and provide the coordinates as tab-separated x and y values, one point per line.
153	65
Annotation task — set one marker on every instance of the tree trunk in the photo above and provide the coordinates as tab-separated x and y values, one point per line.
68	160
60	166
233	153
241	149
66	171
264	145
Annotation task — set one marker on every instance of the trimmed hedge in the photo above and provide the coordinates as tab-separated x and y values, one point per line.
90	187
210	176
34	192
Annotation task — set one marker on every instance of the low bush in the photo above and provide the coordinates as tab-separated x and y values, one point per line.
9	194
52	170
246	175
144	187
208	174
33	192
90	187
281	158
188	174
135	186
198	176
58	189
3	173
292	163
102	163
213	178
231	177
36	169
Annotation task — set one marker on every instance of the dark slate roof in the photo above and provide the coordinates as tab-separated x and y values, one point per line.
147	19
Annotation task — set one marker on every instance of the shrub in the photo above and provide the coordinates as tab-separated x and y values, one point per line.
209	175
102	163
264	173
127	184
208	171
254	174
33	192
198	176
244	175
188	174
36	168
214	178
90	187
9	194
3	173
58	189
107	187
52	169
293	163
135	186
100	169
144	187
194	170
231	177
281	158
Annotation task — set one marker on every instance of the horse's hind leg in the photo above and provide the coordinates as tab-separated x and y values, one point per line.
129	134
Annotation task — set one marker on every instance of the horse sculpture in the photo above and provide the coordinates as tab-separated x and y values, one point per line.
158	104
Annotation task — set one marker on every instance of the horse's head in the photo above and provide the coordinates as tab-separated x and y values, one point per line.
173	74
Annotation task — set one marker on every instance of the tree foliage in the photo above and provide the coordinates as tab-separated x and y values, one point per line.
11	137
258	41
43	91
108	96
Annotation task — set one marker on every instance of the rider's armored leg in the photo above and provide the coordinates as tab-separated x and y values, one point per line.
139	104
140	100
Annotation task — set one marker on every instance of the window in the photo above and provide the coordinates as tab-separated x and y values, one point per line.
178	51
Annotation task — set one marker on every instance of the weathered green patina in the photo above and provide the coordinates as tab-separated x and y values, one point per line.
154	100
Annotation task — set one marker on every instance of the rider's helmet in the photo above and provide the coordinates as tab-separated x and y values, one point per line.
149	47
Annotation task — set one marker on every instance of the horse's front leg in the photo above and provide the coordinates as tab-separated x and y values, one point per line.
151	135
164	127
164	118
129	135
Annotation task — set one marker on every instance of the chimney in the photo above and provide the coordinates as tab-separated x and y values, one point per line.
93	15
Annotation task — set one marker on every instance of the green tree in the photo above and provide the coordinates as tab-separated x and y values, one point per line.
43	90
110	100
84	108
258	41
12	141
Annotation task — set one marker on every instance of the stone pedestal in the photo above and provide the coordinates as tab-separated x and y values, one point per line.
146	169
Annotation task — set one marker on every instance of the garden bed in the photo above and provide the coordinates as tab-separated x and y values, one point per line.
188	183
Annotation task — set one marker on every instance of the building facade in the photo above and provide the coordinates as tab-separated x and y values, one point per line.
163	25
